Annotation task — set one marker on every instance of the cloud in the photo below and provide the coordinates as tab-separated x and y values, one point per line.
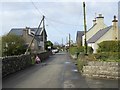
64	16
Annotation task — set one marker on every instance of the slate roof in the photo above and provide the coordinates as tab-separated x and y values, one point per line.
19	31
99	34
80	34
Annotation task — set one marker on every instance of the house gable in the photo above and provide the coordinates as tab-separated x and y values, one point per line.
98	35
79	37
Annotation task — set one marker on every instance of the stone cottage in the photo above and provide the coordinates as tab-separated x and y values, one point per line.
28	34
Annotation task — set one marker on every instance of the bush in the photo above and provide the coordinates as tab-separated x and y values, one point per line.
90	50
108	55
75	49
80	49
109	46
81	61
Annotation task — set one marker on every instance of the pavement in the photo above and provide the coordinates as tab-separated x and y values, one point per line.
57	72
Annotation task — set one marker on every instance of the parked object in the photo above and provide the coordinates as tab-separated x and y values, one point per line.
37	60
55	51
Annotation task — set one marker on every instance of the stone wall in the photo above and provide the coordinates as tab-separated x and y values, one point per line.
96	69
12	64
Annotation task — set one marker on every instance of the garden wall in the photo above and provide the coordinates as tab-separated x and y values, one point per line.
96	69
12	64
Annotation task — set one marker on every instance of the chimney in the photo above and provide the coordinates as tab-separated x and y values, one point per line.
28	30
100	19
115	27
115	22
94	21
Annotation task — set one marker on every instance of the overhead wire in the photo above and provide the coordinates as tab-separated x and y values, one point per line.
56	29
64	23
41	13
56	21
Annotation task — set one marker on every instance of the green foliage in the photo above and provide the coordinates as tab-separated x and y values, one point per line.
108	50
109	46
90	50
75	49
12	45
80	49
81	61
107	56
47	44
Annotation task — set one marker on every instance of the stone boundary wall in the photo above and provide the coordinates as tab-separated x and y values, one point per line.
12	64
96	69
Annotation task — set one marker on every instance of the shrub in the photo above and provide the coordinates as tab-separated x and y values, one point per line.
81	61
75	49
108	55
90	50
109	46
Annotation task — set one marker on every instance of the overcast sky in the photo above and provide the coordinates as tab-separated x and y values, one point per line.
61	17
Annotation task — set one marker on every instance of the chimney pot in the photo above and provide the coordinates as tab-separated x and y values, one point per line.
114	19
100	16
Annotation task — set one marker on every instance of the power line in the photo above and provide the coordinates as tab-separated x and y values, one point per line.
56	21
60	22
41	13
56	28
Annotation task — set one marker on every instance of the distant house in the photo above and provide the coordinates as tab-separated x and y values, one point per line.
79	38
28	34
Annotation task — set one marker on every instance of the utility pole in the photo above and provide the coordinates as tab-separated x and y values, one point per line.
43	33
69	40
34	37
62	42
85	28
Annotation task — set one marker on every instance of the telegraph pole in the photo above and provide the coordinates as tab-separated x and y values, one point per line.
62	42
34	36
43	33
69	40
85	28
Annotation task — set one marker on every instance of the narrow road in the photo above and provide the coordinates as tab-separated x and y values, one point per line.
57	72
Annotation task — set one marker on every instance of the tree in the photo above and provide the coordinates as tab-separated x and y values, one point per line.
48	44
12	45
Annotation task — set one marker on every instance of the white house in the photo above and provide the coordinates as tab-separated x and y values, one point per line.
98	24
105	34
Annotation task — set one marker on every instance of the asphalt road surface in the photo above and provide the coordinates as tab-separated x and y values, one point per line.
57	72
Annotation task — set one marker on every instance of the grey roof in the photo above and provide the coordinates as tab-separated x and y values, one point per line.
99	34
35	29
19	31
80	34
16	31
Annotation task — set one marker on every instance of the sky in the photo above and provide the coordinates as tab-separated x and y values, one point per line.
61	16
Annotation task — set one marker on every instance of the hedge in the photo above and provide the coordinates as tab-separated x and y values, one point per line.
109	46
107	55
80	49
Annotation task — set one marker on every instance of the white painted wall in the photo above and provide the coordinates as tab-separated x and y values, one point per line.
106	37
99	25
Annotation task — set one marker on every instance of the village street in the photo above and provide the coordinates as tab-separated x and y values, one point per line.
57	72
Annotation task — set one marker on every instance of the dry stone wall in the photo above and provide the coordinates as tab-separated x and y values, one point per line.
12	64
96	69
